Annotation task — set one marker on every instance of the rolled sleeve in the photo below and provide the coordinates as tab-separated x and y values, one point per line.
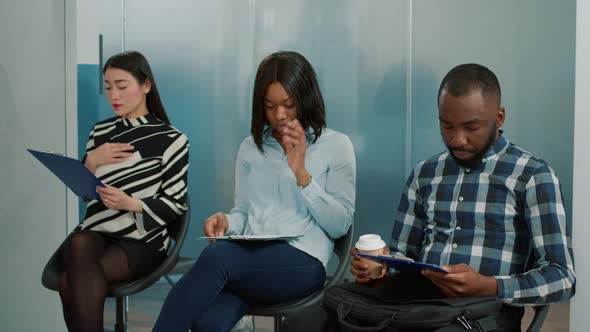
552	278
170	201
333	206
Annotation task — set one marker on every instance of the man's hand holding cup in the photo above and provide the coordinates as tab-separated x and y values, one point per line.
364	269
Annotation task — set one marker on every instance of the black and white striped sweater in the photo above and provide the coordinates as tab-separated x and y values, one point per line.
156	174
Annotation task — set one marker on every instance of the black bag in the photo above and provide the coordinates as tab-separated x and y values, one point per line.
415	305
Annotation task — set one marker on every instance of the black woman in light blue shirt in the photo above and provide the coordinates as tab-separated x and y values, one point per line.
294	176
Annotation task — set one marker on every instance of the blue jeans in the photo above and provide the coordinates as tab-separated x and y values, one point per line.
231	276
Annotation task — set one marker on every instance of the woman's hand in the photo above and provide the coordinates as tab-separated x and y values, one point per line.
117	199
294	140
108	153
216	225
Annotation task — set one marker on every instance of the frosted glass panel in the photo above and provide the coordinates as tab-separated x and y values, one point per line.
201	55
366	53
205	54
358	51
530	45
110	26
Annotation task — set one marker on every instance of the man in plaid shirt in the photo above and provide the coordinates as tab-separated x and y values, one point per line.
486	210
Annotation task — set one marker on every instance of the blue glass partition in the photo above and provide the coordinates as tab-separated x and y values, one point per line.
205	54
379	64
529	45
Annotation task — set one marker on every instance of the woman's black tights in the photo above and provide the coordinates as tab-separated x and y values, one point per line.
90	265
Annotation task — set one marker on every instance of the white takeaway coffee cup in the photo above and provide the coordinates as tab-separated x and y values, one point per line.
371	244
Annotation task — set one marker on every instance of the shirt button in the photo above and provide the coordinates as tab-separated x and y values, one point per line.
460	198
458	228
454	245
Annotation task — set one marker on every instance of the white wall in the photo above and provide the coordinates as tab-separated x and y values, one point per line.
96	17
32	201
71	94
87	31
579	318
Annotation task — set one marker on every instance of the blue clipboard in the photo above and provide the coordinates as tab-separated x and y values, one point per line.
403	265
283	237
71	172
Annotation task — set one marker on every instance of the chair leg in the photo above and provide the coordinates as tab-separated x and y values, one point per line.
169	280
277	323
121	323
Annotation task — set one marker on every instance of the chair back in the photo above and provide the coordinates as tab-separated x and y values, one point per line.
539	318
540	311
177	231
342	248
51	272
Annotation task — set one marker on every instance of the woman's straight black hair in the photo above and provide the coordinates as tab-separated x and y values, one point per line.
136	64
298	78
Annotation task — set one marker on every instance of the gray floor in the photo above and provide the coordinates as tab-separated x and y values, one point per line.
145	306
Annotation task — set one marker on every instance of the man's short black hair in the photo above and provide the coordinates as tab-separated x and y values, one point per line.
465	78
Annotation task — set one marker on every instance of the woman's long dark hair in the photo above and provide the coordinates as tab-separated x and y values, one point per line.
136	64
298	78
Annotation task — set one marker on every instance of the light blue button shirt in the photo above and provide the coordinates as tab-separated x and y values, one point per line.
268	200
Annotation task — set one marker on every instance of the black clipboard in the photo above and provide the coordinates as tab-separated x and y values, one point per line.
71	172
401	264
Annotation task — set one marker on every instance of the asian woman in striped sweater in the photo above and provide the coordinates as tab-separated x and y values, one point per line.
143	162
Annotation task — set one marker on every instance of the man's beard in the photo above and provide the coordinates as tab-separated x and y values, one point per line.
474	161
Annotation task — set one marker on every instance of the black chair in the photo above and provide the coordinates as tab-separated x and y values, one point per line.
342	247
177	231
539	318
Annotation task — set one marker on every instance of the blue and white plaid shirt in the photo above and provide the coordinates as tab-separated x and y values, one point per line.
505	218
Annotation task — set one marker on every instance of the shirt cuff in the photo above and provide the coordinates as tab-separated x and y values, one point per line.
507	286
232	224
312	191
138	216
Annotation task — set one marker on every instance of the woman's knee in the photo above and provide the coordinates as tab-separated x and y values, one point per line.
319	276
63	286
83	247
217	259
216	255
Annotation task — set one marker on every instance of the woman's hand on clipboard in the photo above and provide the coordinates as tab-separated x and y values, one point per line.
216	225
117	199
